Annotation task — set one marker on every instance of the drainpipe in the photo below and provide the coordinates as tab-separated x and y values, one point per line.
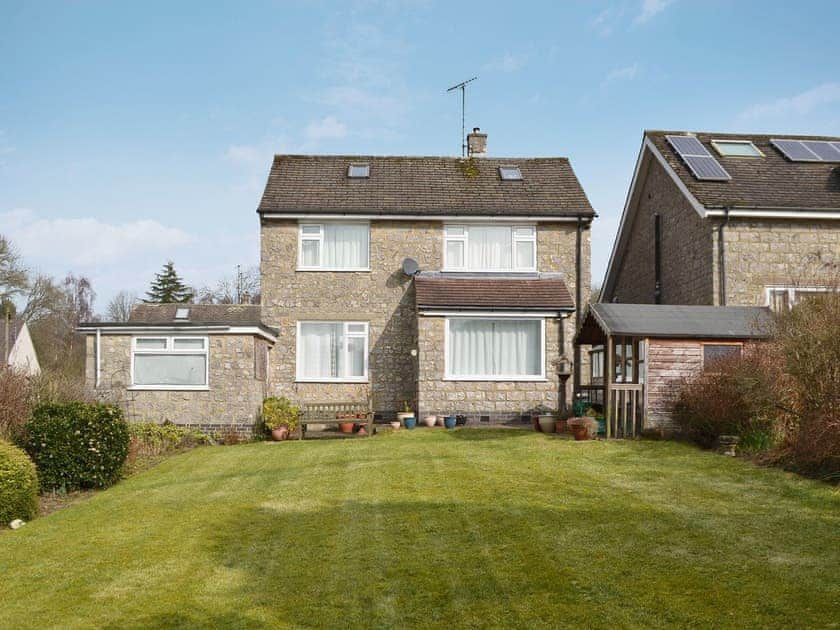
98	356
722	259
578	305
657	258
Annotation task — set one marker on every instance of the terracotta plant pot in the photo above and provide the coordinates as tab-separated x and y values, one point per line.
546	423
439	421
279	434
560	426
345	427
430	421
580	431
362	431
536	421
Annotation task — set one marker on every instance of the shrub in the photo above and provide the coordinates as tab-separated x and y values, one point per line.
149	439
741	397
15	404
18	485
279	412
77	445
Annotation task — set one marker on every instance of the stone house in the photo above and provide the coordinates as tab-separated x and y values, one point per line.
448	285
728	219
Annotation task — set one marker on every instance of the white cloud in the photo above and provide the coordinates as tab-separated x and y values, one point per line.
650	9
327	128
508	62
627	73
605	22
798	105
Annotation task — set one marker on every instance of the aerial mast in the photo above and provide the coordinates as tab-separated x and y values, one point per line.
462	86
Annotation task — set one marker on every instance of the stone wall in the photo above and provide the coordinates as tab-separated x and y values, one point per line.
234	397
384	297
687	248
761	253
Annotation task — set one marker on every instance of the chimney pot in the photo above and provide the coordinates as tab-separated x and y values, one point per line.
476	143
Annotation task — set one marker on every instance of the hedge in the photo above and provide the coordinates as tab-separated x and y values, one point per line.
18	485
77	445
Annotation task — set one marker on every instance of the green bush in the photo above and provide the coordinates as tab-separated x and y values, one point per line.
150	439
279	412
77	445
18	485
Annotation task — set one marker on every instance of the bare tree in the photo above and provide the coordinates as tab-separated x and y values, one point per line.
243	287
43	298
13	277
120	306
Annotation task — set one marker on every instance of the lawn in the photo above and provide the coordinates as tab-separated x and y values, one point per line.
474	527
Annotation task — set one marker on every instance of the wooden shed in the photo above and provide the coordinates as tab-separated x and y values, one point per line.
641	353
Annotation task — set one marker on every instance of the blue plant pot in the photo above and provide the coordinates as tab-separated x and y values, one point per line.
410	422
449	422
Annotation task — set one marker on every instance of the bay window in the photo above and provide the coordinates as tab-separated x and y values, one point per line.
169	362
490	248
332	351
495	349
334	246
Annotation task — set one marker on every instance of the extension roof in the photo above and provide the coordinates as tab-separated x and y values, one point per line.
531	292
663	321
429	186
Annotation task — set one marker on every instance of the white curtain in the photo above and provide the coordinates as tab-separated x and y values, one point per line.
487	347
170	369
490	247
345	245
320	349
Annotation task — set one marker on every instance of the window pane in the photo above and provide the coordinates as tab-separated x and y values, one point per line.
714	353
310	251
524	254
170	369
188	344
779	300
310	230
321	347
454	254
355	328
356	356
345	246
483	347
151	344
524	232
454	230
490	247
746	149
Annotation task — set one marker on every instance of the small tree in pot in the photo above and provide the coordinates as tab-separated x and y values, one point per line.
280	417
583	428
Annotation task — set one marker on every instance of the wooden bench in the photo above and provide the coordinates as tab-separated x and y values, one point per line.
336	413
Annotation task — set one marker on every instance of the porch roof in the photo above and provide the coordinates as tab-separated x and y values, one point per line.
493	291
671	321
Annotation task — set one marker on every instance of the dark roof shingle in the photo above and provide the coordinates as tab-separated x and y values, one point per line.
545	291
766	182
422	185
199	314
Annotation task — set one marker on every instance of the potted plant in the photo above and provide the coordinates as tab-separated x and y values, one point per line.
347	425
544	418
561	420
280	417
583	427
430	421
405	413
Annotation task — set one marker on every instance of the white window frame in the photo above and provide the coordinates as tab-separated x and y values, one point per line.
716	143
465	239
347	335
791	293
534	378
320	239
169	350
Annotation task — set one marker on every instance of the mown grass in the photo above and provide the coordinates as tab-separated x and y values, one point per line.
435	529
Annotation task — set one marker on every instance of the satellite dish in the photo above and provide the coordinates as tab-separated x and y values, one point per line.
410	267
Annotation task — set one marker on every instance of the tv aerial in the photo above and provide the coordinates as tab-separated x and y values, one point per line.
462	86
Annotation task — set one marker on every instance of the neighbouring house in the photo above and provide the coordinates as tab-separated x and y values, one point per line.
16	348
728	219
651	350
448	285
201	365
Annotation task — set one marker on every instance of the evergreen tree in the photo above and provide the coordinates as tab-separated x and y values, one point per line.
168	288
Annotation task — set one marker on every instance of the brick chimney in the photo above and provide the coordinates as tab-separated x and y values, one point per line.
477	143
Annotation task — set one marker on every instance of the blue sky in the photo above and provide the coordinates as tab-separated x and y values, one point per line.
135	132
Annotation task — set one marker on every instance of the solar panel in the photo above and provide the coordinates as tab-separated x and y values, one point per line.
824	150
809	150
698	159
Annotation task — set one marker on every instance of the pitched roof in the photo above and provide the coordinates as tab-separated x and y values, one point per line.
422	185
667	321
15	326
536	291
198	314
771	181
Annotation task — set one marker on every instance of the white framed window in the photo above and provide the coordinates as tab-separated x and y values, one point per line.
783	298
334	246
357	171
476	248
332	352
169	362
494	349
510	173
736	148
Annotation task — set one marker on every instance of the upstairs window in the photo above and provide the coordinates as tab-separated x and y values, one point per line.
333	247
736	148
780	299
490	248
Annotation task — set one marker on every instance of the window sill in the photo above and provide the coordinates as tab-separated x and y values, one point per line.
498	379
168	388
362	381
523	271
335	269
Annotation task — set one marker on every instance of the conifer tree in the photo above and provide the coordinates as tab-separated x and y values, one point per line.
167	287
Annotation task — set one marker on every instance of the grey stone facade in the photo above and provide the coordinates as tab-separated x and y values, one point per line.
384	297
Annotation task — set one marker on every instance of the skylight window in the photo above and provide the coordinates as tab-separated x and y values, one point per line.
736	148
511	173
182	313
357	171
